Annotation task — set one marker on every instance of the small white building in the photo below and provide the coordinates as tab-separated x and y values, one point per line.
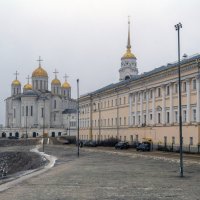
36	110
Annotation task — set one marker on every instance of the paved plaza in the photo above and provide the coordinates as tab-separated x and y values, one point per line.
109	174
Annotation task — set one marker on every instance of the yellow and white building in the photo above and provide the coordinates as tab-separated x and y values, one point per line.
146	105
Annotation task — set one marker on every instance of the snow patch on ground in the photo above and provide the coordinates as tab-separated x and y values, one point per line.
29	173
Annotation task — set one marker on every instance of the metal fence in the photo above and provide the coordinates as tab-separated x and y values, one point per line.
176	148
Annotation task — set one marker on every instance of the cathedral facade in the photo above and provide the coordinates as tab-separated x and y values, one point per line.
145	106
37	110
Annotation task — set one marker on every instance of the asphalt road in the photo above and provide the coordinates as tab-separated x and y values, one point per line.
108	174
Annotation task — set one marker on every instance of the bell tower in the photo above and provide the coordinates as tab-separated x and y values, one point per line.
128	61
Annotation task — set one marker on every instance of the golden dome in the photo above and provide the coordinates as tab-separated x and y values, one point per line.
39	72
55	82
28	86
66	85
128	54
16	82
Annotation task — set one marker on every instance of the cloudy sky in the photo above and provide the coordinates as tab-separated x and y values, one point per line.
86	38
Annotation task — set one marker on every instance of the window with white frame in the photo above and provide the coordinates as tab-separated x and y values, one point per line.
175	88
184	87
133	120
150	116
165	140
124	100
138	96
168	117
159	118
184	115
151	94
145	119
136	138
124	121
139	119
167	90
194	84
194	115
176	116
133	98
173	140
144	95
191	140
158	92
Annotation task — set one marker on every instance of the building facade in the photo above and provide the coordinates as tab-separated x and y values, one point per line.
145	106
36	110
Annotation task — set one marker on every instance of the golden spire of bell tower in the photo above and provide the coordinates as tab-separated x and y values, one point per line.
129	40
128	53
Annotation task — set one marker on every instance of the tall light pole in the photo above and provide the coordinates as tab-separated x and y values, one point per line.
78	116
26	125
43	115
178	27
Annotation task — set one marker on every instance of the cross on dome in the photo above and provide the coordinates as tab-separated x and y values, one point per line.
65	77
16	73
39	60
28	77
55	72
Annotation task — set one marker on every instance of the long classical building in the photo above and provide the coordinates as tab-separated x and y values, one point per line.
37	110
142	106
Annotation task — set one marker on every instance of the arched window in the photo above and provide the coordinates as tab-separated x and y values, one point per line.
54	104
36	83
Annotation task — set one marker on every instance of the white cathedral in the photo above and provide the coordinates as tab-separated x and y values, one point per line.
36	110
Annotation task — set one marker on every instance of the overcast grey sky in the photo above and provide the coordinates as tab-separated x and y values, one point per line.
86	38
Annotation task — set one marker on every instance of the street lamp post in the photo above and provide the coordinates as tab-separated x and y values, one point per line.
26	125
43	115
178	27
78	116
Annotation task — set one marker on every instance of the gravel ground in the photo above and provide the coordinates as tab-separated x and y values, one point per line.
108	174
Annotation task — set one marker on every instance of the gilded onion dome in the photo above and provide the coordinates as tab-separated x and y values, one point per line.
55	82
128	54
16	82
28	86
39	72
66	85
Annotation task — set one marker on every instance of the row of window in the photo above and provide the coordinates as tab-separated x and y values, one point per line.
165	141
104	122
39	84
104	104
159	116
28	111
158	91
123	120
